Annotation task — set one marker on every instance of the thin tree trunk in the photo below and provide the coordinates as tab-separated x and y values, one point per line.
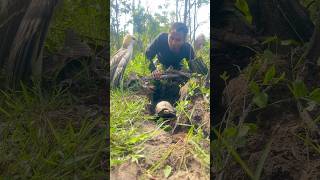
133	11
117	24
311	73
185	11
189	15
194	20
177	5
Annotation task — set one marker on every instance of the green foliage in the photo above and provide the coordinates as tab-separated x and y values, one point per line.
196	138
269	40
299	89
254	87
315	95
229	140
224	76
269	75
40	138
192	86
204	53
242	5
167	171
87	18
125	138
308	141
261	99
138	65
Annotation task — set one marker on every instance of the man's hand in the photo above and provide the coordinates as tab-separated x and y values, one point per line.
156	74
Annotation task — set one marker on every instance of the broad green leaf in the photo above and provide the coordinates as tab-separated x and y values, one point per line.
289	42
167	171
261	99
315	95
254	87
299	89
269	75
252	127
242	5
270	40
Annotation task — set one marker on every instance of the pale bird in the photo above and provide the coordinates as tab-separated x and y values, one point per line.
119	61
199	42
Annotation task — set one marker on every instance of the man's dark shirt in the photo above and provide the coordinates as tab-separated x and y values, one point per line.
166	57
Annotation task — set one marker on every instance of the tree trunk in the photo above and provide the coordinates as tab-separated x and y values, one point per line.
177	5
117	24
312	75
185	15
133	11
189	15
194	21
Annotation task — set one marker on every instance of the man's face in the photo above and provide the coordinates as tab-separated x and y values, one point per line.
175	40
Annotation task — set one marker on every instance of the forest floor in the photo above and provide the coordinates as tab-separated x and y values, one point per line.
143	145
271	123
148	149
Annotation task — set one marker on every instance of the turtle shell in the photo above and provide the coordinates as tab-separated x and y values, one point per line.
165	109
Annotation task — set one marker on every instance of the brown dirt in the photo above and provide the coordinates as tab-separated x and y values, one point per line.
289	157
165	149
235	94
201	114
155	151
199	108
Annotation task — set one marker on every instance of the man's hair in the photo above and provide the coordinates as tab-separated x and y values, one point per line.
179	27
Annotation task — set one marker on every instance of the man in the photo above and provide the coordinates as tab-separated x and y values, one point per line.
170	48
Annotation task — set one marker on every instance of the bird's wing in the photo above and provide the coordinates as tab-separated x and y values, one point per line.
121	66
24	58
115	61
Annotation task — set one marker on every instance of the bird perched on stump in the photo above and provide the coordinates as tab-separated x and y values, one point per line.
120	60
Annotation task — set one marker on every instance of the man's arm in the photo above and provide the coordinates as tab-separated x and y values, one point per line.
152	51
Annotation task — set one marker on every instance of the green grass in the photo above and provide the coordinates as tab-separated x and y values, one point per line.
139	65
126	109
41	137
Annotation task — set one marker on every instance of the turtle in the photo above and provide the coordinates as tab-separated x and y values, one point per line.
164	109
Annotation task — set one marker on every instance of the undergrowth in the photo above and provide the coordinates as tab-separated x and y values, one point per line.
42	137
126	110
264	74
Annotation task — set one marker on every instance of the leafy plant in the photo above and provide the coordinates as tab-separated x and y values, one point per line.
242	5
